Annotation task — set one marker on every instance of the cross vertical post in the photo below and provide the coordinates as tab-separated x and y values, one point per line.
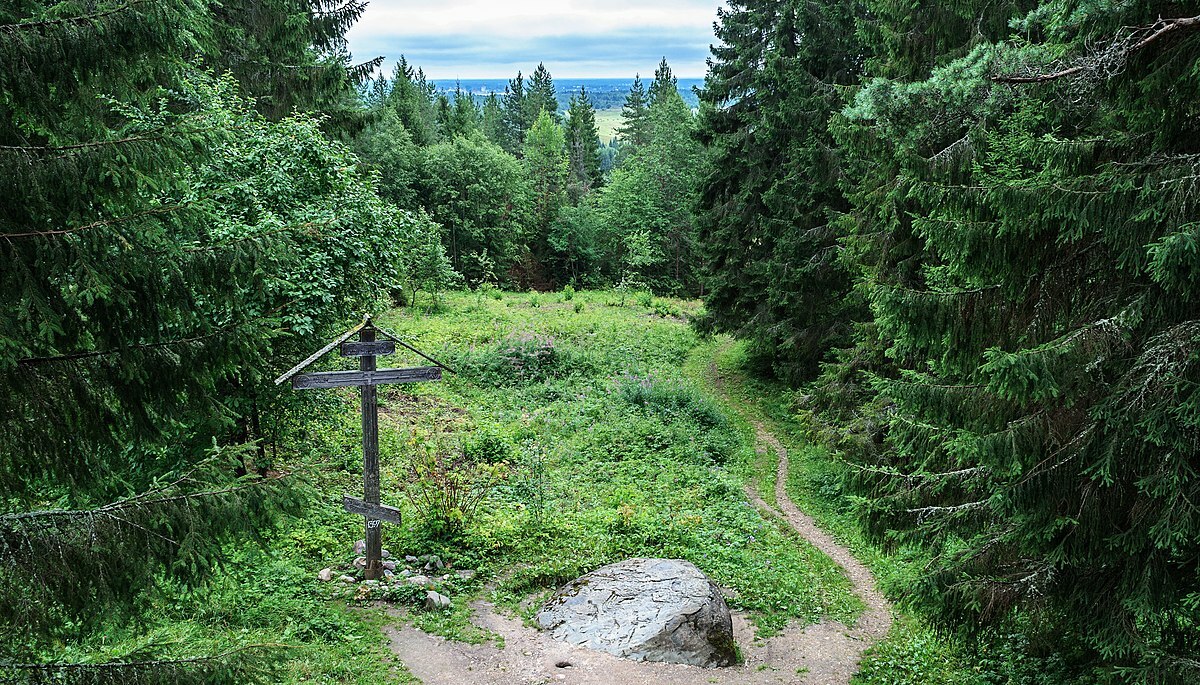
367	349
370	445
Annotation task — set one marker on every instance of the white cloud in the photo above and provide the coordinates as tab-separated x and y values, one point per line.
430	33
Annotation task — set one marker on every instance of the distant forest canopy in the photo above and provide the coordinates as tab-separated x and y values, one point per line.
527	194
605	93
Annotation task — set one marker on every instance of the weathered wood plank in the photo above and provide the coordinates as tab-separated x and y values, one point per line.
317	355
377	512
370	447
342	379
368	349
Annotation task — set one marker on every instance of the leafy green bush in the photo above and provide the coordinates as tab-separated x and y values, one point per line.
524	358
672	397
665	309
446	485
568	293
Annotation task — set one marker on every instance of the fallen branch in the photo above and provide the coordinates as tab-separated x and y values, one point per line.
1159	29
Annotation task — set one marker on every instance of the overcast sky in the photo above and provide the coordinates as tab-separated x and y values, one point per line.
575	38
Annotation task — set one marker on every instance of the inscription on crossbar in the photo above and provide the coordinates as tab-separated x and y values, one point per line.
366	349
377	512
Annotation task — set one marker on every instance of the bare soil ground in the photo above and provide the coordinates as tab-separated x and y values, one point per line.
826	653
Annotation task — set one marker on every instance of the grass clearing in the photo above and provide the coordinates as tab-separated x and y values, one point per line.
592	413
607	121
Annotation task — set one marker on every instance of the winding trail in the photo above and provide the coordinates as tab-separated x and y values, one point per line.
826	653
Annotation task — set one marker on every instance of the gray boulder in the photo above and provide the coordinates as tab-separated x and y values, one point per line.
434	601
645	610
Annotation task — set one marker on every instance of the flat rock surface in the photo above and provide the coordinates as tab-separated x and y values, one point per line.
646	610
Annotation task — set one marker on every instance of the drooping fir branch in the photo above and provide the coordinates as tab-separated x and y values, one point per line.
1114	56
76	146
81	19
62	562
227	328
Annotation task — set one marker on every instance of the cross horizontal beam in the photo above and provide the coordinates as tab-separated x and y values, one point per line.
378	512
342	379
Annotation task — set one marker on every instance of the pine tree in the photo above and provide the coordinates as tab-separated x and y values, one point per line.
583	147
541	97
635	127
515	123
546	168
664	82
771	197
492	120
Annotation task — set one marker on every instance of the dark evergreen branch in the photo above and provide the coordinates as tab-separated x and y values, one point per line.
82	19
76	356
99	224
110	510
77	146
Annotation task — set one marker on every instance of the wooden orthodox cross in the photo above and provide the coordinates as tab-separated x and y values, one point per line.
367	349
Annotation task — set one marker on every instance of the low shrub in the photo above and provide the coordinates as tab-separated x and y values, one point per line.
672	397
525	358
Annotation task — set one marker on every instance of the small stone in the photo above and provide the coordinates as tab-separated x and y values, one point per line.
325	575
360	547
465	574
385	554
406	573
418	580
410	559
346	579
372	583
434	600
389	565
388	574
360	562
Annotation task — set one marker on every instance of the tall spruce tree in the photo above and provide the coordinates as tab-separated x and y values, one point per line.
491	120
462	115
515	122
159	254
412	100
583	147
291	55
1043	431
770	199
664	82
540	97
635	125
546	168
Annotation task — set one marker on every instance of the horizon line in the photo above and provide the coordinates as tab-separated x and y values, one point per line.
565	78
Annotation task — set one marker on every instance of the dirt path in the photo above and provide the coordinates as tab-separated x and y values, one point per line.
826	653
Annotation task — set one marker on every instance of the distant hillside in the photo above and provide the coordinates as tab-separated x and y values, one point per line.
605	93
